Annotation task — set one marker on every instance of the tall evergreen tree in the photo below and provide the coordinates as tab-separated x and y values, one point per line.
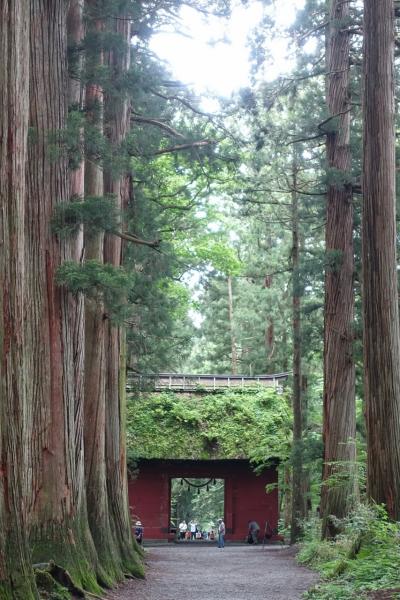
339	425
58	525
298	499
16	575
117	122
380	296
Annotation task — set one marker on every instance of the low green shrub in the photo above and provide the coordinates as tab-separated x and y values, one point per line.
365	557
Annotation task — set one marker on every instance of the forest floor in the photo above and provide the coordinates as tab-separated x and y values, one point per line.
233	573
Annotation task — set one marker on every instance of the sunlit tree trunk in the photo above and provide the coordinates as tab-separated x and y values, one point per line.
16	575
339	375
380	301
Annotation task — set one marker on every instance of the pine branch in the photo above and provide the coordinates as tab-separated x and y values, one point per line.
129	237
326	121
306	139
320	127
182	101
156	123
314	30
188	146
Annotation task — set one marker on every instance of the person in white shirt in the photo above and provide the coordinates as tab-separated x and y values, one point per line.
182	529
193	528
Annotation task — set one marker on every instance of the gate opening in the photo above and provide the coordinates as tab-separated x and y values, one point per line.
196	506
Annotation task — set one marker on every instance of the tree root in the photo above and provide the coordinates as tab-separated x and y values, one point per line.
54	581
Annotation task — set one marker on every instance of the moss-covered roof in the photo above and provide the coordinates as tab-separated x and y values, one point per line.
252	423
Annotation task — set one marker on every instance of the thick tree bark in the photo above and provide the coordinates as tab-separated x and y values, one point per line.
96	359
339	375
16	575
59	529
117	118
74	307
380	301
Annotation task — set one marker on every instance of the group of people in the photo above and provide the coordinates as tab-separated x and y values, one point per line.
191	531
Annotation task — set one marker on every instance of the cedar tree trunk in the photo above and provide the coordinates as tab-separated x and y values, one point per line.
117	116
339	375
234	357
16	575
59	530
95	348
298	501
380	302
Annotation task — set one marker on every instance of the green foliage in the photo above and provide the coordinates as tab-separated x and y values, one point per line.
204	506
221	256
100	282
253	423
365	557
338	178
96	213
73	137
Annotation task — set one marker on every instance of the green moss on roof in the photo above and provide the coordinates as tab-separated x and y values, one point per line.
253	423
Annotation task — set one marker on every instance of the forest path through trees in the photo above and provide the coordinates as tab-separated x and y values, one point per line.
235	573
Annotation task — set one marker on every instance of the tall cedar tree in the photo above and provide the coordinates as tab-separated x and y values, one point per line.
16	576
339	373
234	356
95	327
380	300
117	119
298	500
58	526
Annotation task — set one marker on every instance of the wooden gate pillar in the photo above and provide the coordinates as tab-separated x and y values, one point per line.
229	505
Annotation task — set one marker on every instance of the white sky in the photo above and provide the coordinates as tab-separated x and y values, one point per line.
211	53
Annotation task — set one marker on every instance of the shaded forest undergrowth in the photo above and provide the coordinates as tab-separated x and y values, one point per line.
363	562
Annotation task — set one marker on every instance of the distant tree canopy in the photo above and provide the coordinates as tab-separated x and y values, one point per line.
254	424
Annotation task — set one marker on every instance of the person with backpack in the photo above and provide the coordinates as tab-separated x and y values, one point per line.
252	536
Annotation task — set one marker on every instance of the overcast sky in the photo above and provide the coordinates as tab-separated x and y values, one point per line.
211	54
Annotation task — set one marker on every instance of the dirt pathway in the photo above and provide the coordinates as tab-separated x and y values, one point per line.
234	573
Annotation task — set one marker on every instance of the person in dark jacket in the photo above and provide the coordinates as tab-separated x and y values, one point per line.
252	535
138	532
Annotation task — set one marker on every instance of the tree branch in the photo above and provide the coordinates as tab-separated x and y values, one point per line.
306	139
129	237
156	123
182	101
339	114
188	146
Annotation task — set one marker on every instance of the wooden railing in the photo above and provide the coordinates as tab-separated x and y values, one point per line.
181	382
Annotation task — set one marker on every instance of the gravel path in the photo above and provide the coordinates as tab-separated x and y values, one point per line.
234	573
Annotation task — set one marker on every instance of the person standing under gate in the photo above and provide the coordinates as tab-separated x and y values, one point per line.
221	534
193	529
252	536
182	529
